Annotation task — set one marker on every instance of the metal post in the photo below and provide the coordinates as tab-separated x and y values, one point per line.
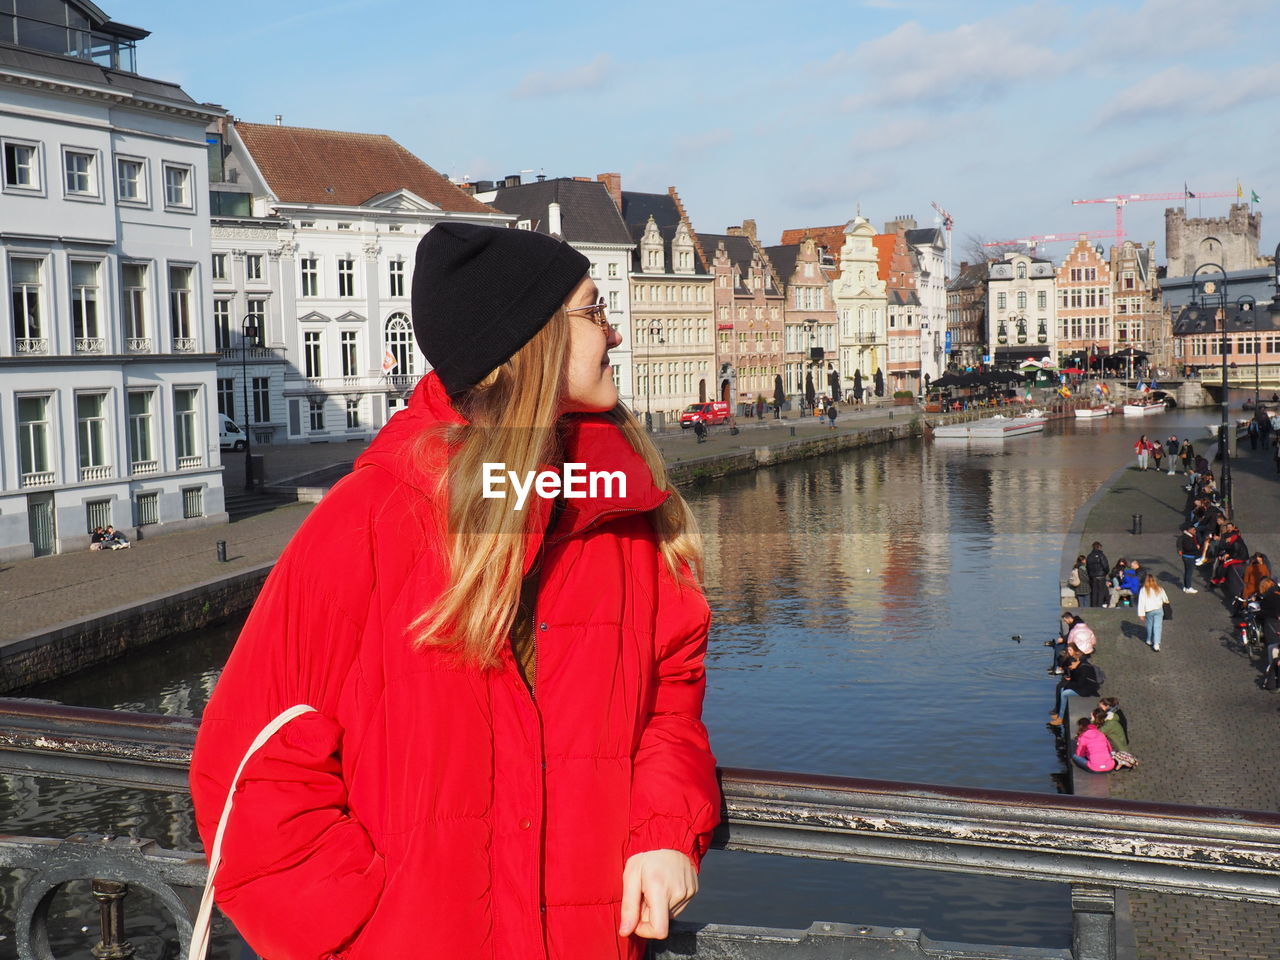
110	895
249	324
1093	922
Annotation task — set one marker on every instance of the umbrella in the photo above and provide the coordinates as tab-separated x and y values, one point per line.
779	395
879	378
833	380
857	385
1129	352
1072	370
810	395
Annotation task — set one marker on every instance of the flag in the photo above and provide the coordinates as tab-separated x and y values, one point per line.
1186	191
389	361
1255	198
1239	191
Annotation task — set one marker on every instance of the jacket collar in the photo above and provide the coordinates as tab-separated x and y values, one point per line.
588	439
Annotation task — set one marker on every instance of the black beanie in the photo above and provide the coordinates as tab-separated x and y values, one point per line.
481	293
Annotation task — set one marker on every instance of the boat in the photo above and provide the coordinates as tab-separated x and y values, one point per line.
992	428
1143	409
1089	413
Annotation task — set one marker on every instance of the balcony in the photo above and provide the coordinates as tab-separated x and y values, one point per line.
190	463
139	345
90	345
184	345
26	345
141	468
44	478
103	472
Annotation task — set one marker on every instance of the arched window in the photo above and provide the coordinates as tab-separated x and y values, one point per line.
399	335
1022	271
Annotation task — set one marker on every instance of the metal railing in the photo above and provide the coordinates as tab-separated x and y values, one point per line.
90	345
24	345
139	344
1096	846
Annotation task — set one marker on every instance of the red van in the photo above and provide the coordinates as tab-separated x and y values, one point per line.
709	413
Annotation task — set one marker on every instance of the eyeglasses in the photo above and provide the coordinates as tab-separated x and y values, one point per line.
597	313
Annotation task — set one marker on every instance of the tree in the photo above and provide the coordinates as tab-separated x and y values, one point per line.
975	250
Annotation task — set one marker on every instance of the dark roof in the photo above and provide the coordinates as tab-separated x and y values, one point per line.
637	208
739	248
924	235
587	212
75	70
973	275
1205	320
784	257
304	165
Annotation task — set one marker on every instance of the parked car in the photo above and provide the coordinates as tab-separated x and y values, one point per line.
710	413
230	436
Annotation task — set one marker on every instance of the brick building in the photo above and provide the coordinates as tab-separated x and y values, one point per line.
898	270
1084	325
1138	319
810	336
967	316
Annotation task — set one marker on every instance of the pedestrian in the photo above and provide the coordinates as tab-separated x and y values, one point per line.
1078	581
1275	450
1189	550
1255	433
1151	600
505	756
831	414
1186	455
1143	449
1157	454
1098	568
1171	451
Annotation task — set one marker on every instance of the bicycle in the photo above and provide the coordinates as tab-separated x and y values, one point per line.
1248	630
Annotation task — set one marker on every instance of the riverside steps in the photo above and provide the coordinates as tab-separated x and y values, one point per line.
67	612
1202	727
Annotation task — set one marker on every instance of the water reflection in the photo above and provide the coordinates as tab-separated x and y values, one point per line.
863	608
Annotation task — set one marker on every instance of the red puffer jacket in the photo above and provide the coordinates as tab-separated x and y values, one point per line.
429	809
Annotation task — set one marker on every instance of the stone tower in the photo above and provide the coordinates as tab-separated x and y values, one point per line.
1231	241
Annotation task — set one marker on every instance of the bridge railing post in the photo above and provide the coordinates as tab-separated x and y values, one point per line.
1093	922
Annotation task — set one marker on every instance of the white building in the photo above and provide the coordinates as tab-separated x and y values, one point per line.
1022	311
586	214
314	237
107	408
930	246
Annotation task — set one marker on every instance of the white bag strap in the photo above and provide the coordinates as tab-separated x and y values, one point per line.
204	916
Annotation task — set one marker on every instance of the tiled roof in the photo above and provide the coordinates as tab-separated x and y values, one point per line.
332	167
587	212
832	238
973	275
637	208
924	235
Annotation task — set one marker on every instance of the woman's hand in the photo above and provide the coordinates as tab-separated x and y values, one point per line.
656	885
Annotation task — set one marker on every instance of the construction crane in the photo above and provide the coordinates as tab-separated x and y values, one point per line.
1120	200
1033	242
946	224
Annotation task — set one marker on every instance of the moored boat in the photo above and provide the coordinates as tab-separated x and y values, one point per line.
992	428
1089	413
1143	409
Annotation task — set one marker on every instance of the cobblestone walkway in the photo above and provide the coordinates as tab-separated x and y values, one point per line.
1205	731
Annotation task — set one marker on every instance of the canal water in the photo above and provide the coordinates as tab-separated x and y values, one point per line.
864	606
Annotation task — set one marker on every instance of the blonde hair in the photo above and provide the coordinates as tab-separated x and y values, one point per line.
512	419
1151	583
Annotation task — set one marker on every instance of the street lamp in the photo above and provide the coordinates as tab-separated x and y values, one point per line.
808	326
1248	304
655	332
1217	290
249	330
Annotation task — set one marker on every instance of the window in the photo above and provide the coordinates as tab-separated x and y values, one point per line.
24	285
78	172
1022	299
227	397
177	186
33	438
140	455
192	502
146	509
84	306
253	266
21	166
133	282
595	270
97	513
261	396
353	414
91	430
613	299
310	277
1022	271
346	278
344	226
1001	301
349	367
219	266
256	317
131	181
1042	300
316	405
184	425
399	339
395	277
222	326
311	352
613	269
180	309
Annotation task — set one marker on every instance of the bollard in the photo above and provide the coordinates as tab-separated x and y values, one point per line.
222	551
793	431
1137	523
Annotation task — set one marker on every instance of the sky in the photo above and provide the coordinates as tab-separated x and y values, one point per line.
791	115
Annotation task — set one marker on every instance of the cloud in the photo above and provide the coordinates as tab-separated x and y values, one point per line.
911	66
699	143
1147	160
1182	91
840	192
589	76
1161	29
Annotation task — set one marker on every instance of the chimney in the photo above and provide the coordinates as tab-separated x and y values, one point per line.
279	120
553	219
613	183
749	228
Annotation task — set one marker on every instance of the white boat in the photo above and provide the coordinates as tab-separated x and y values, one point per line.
992	428
1143	409
1089	413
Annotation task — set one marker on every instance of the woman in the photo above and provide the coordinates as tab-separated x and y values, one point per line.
1143	449
1157	454
1078	580
1151	601
1092	751
1114	725
1255	571
506	757
1079	680
1118	582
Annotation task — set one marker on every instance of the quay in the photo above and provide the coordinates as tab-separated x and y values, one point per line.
1203	729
